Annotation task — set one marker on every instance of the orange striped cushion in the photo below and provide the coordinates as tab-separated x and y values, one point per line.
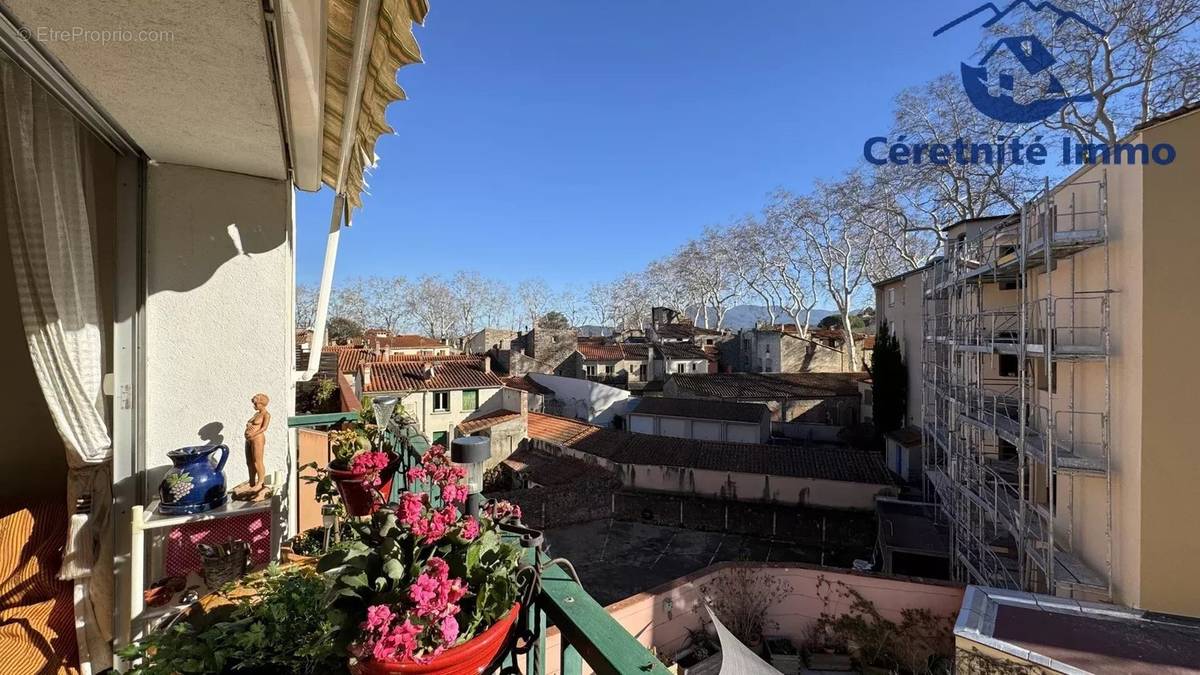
37	621
39	638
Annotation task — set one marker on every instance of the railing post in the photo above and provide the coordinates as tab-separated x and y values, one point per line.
570	663
535	622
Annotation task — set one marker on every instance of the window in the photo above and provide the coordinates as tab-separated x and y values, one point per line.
891	297
1009	365
641	371
693	366
470	399
609	369
590	369
441	401
679	367
439	438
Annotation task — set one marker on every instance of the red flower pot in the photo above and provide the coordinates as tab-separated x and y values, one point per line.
358	495
469	658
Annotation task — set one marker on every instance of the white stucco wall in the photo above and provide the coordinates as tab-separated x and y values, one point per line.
219	318
590	401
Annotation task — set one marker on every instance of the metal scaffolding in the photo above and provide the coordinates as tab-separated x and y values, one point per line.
1016	339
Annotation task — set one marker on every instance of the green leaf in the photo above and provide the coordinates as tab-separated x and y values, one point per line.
354	580
394	569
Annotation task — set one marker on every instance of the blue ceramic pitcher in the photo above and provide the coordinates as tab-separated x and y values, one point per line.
195	484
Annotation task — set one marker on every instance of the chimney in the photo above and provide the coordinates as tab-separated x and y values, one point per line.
366	375
487	363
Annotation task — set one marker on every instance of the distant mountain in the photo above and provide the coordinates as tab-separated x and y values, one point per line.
747	316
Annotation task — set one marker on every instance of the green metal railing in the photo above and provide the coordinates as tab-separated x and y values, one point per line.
587	633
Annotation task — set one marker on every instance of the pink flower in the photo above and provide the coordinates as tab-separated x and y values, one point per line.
424	592
470	528
502	510
416	474
379	617
449	630
454	493
412	508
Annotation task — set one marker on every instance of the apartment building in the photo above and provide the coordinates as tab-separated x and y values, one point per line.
784	349
440	395
1054	365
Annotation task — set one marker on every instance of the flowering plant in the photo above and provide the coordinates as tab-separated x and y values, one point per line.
422	578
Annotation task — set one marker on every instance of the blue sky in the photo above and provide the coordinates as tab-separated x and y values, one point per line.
576	140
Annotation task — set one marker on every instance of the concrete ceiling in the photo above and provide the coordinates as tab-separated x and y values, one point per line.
202	95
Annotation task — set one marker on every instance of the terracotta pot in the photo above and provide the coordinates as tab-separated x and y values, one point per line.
358	495
471	657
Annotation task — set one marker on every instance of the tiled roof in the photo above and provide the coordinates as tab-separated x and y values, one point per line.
675	331
551	470
681	350
593	350
348	358
419	358
635	351
487	421
410	376
769	386
702	408
525	383
623	447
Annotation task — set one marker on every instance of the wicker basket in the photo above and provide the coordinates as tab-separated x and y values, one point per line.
225	562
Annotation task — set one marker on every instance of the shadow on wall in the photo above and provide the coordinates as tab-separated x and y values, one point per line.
194	232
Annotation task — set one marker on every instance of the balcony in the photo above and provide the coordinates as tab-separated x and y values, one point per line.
583	632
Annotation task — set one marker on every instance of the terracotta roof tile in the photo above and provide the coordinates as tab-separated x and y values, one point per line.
622	447
551	470
702	408
769	386
525	383
599	351
487	421
348	358
410	376
682	350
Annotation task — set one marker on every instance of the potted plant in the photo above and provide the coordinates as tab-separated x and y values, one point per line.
422	588
355	469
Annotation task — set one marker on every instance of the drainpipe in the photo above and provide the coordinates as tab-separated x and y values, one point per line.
365	19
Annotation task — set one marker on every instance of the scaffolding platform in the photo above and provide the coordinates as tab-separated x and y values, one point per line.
999	433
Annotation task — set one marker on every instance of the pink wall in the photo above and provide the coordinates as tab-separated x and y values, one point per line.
646	617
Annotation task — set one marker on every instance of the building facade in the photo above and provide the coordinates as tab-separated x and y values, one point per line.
1055	384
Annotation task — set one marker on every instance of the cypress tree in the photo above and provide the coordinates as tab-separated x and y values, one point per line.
890	381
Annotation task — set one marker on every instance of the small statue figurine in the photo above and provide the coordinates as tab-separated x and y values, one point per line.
255	489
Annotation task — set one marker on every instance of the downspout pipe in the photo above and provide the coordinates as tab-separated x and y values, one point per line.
365	19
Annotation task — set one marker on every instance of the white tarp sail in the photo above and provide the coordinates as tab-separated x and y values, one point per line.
737	658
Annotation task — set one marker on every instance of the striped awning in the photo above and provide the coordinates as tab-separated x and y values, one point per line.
392	47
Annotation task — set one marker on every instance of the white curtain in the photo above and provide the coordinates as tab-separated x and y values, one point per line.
42	168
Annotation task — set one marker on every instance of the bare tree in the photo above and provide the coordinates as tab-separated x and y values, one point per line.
474	299
430	301
931	196
1147	62
385	302
306	306
349	301
573	305
535	297
600	303
774	263
839	248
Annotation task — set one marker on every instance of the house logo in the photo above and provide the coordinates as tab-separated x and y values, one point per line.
1015	81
